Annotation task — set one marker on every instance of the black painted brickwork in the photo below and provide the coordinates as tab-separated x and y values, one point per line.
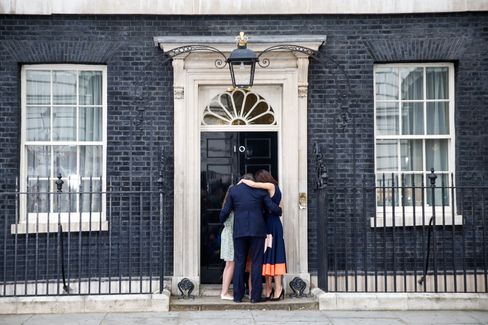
140	97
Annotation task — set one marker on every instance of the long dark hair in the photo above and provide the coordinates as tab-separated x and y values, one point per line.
226	195
263	176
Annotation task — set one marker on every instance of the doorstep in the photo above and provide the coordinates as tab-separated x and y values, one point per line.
209	299
215	303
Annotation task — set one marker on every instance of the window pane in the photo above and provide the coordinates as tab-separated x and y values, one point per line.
387	118
213	120
412	83
386	190
64	87
91	88
438	118
38	123
38	198
412	118
386	155
38	161
413	190
249	102
64	123
65	161
90	200
91	161
411	155
441	191
437	80
437	154
90	124
386	83
38	90
264	119
72	184
225	100
260	108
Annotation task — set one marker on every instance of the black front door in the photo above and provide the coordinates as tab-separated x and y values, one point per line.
225	157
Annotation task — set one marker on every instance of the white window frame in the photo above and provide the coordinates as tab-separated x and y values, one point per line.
72	221
386	217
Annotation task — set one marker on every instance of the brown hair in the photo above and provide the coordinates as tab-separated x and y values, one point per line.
226	194
263	176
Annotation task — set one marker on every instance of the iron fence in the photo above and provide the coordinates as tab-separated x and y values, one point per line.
402	235
78	237
392	236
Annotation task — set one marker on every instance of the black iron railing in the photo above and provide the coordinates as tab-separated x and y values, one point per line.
399	235
83	239
396	236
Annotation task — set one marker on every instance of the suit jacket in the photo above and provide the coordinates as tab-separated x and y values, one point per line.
248	205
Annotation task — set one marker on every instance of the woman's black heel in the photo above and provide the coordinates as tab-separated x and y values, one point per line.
270	295
280	297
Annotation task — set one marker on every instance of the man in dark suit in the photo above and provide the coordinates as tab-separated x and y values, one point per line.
248	205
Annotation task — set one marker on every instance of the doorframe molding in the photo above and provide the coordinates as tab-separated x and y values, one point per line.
192	71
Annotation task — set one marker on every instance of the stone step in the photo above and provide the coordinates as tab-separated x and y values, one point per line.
211	290
215	303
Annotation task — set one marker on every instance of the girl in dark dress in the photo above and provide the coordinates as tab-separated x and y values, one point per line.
274	264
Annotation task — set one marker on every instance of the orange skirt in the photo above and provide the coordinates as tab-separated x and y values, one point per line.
274	269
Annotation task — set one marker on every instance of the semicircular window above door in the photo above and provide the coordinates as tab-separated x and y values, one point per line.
238	107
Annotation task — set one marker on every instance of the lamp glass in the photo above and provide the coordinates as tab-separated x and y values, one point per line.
242	74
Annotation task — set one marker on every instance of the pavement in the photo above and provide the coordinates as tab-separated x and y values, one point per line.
248	317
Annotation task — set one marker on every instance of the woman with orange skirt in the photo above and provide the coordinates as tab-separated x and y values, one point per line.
274	264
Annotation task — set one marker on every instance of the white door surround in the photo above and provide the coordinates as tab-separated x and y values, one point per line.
196	71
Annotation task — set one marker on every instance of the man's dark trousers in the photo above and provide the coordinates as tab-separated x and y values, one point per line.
255	247
249	233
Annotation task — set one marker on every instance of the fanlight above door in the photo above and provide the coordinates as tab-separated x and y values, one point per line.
238	107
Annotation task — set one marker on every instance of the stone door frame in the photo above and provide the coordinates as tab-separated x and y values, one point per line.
195	70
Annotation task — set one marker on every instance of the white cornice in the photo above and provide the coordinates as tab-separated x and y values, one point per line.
227	43
236	7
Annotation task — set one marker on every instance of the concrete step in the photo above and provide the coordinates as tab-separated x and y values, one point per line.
215	303
211	290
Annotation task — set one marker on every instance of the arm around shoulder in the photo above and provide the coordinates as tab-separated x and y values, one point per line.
263	186
270	187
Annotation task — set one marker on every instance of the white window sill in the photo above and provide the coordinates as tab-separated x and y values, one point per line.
420	220
74	226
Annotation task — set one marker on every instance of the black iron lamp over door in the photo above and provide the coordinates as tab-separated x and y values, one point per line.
242	64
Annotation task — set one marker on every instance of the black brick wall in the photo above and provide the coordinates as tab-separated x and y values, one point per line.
140	97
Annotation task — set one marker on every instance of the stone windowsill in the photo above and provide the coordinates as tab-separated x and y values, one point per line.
408	220
21	228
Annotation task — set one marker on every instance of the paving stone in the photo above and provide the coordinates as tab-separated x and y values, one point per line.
65	319
326	322
480	316
287	316
234	314
359	314
13	319
146	319
366	321
213	321
437	317
252	317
